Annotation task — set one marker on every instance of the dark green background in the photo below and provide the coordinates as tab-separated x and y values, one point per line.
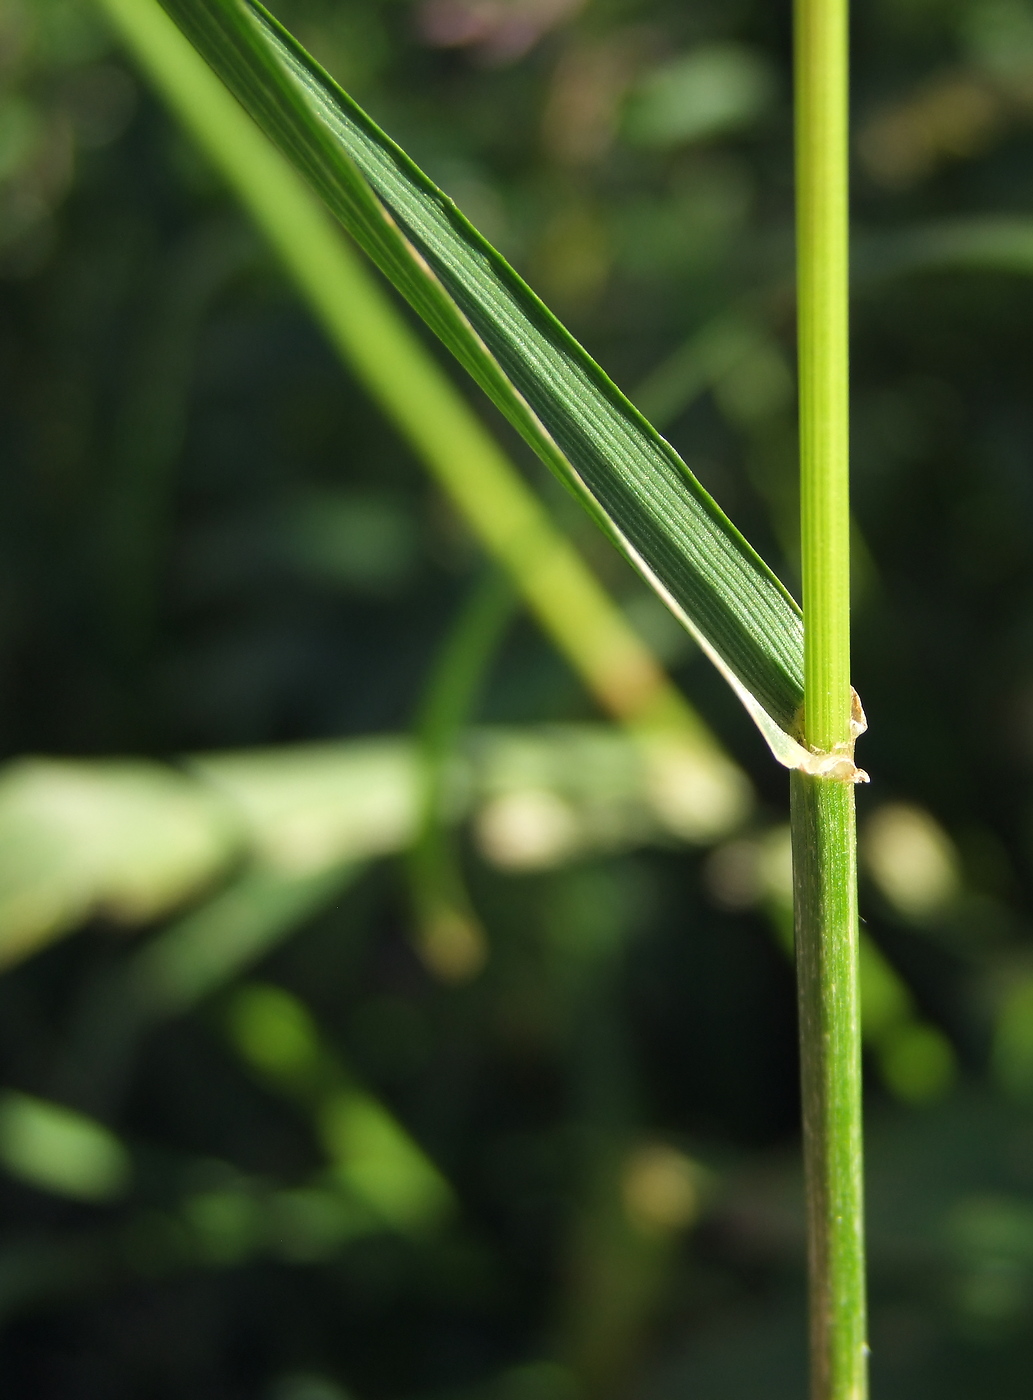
209	539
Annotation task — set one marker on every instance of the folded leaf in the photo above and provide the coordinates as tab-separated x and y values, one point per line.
562	403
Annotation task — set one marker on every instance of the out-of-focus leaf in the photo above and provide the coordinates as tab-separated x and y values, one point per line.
722	346
713	89
125	839
1002	243
373	1155
207	948
912	860
558	793
131	840
1013	1038
308	805
56	1149
382	1164
450	937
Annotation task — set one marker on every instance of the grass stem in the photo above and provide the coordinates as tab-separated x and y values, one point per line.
822	295
824	841
825	900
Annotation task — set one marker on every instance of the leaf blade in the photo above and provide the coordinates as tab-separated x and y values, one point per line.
561	402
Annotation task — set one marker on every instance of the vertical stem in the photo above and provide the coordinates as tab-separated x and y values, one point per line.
825	899
824	844
821	234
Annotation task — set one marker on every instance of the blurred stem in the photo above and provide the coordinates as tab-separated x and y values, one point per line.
459	669
824	841
406	381
451	938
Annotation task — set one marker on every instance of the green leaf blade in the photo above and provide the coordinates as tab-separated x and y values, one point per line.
552	392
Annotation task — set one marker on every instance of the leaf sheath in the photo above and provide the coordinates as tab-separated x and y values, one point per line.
825	906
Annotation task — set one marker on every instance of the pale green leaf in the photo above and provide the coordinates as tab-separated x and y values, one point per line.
56	1149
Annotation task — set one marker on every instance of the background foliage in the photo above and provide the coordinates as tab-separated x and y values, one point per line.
255	1142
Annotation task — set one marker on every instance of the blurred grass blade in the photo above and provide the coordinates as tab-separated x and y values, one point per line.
540	378
374	1156
704	359
125	839
129	841
451	939
1001	243
55	1149
204	950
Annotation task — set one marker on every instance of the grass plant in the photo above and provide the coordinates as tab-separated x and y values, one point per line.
791	673
227	563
